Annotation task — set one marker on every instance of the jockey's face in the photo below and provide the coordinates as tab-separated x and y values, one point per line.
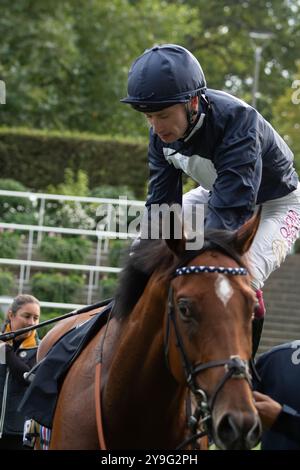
171	123
27	315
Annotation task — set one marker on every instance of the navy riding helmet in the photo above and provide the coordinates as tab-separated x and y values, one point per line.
163	76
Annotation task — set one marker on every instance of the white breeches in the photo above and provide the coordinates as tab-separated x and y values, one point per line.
277	232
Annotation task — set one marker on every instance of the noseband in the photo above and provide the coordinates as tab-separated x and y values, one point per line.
235	367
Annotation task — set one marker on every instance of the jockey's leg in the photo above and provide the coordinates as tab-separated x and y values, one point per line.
257	328
277	232
198	195
258	321
194	207
201	196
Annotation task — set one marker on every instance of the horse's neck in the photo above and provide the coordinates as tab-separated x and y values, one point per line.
138	345
138	384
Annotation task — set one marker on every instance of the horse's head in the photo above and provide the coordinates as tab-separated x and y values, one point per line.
209	335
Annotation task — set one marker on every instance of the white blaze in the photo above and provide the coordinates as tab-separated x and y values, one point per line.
223	289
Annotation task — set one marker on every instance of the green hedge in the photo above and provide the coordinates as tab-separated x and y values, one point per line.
65	250
6	282
56	287
18	210
117	251
9	244
36	158
108	286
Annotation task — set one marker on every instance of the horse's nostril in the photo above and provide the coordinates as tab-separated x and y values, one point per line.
227	430
254	434
238	432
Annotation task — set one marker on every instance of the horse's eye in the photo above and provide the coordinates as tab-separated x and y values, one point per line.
184	309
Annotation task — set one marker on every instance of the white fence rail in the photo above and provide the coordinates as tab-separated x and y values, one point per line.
7	301
61	197
41	198
102	236
60	266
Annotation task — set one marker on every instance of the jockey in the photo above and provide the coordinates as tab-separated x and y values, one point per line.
226	146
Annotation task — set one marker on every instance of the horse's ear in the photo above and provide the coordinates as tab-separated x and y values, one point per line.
246	233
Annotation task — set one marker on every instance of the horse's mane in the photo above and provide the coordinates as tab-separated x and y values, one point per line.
151	255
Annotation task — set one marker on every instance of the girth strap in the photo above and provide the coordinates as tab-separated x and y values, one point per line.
99	419
98	406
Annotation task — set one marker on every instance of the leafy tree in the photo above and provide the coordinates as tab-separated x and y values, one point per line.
65	63
224	47
286	111
112	192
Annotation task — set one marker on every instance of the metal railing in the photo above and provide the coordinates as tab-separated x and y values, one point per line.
41	198
4	300
102	236
61	266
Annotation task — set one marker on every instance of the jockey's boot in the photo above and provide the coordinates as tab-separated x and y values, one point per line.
258	321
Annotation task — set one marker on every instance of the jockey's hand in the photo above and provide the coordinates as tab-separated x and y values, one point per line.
268	409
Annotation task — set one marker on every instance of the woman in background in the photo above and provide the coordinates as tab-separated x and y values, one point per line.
19	357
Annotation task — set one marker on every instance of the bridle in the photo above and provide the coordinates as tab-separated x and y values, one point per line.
235	367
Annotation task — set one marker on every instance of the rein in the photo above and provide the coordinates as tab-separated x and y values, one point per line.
13	334
235	367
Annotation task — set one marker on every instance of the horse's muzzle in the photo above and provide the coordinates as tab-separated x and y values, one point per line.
237	431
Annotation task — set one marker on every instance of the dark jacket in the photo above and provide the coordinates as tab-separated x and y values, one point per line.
279	370
20	358
233	152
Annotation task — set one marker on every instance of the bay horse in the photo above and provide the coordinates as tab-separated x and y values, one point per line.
181	324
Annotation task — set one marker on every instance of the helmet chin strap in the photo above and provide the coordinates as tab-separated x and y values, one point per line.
190	115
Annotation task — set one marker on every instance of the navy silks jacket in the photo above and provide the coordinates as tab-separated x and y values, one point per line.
232	152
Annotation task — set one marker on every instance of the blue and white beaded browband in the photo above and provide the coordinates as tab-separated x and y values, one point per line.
210	269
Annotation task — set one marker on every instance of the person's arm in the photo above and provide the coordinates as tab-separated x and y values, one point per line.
16	366
276	417
267	408
165	183
165	187
238	164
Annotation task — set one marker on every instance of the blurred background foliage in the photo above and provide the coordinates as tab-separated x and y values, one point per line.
65	63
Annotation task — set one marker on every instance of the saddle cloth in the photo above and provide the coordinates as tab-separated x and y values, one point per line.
40	399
